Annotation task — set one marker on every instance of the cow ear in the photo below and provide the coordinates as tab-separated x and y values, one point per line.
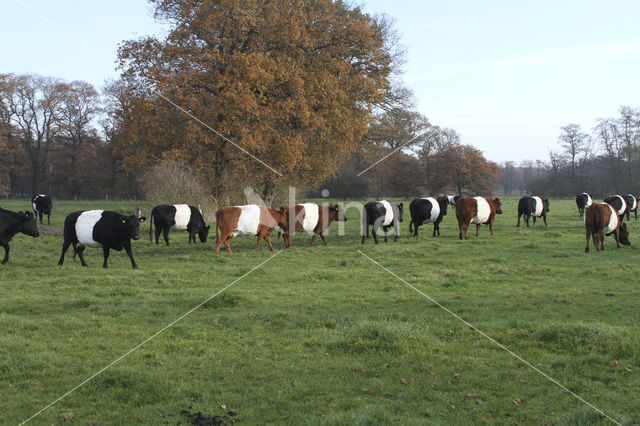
142	219
208	227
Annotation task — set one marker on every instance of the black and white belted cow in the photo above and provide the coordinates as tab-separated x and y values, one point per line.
583	201
452	199
42	205
632	203
618	203
100	228
533	207
427	210
178	217
381	213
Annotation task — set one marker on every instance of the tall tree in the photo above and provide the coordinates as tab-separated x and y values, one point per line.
293	82
463	168
573	140
32	105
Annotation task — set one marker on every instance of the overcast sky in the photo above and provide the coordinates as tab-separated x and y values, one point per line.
504	74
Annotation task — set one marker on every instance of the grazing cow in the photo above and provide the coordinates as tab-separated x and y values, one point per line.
11	223
100	228
248	220
583	201
632	203
312	218
178	217
383	213
42	204
533	206
478	210
618	203
600	220
452	199
425	210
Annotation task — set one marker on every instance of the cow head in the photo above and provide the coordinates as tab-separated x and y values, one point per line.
336	213
132	224
624	235
498	204
400	211
29	226
545	203
204	233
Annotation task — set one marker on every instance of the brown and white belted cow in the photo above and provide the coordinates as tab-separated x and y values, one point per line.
478	210
312	218
247	220
600	220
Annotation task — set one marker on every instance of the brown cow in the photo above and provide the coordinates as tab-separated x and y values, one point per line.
312	218
478	210
600	220
247	220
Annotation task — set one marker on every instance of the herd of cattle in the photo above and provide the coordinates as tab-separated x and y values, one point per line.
111	230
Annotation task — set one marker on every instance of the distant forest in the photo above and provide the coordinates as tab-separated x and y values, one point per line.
319	107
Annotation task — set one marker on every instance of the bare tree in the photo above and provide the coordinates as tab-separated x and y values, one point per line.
573	140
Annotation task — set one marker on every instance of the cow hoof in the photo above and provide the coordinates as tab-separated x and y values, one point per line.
135	267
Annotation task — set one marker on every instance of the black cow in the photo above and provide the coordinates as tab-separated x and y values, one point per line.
583	201
100	228
425	210
42	204
632	203
383	213
11	223
533	206
619	205
179	217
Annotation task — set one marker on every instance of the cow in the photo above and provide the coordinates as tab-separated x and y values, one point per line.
100	228
427	210
178	217
583	201
478	210
600	220
312	218
452	199
533	206
42	204
618	203
632	203
251	219
11	223
377	213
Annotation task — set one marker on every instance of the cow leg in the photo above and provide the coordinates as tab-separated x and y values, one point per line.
518	224
105	252
534	221
385	230
544	218
165	234
6	251
601	240
227	244
616	234
260	237
477	229
374	232
157	232
80	252
526	219
65	246
48	219
586	247
40	215
313	237
324	238
268	240
127	248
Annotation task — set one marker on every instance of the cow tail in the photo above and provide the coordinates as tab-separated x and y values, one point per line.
411	227
151	224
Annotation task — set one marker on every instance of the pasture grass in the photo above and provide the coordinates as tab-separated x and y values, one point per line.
321	334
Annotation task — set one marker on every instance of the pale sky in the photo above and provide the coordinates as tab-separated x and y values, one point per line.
504	74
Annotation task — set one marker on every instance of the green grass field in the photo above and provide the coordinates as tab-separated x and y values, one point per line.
321	334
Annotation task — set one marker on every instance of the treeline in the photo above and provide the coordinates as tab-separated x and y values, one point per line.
603	162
